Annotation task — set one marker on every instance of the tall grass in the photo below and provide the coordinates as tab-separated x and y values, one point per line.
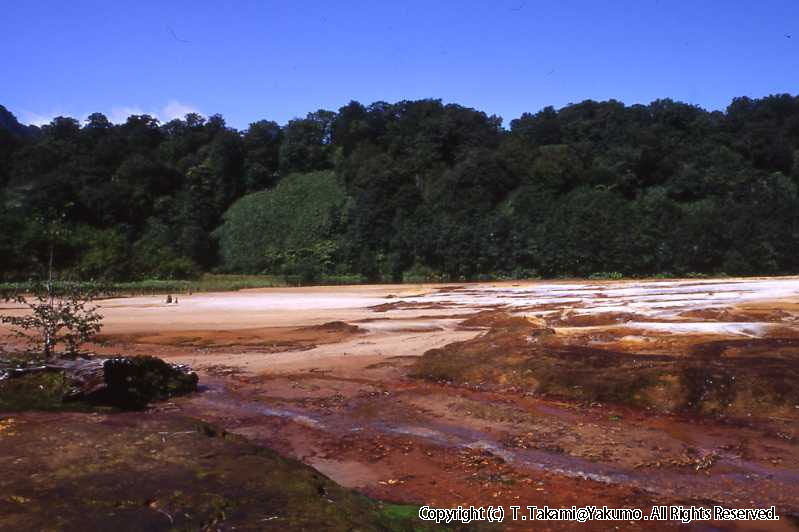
209	282
206	283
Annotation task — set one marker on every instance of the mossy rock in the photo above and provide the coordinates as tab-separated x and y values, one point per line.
44	390
123	382
133	382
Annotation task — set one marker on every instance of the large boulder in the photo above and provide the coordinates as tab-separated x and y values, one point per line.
123	382
133	382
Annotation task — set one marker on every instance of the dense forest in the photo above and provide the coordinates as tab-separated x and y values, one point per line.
409	190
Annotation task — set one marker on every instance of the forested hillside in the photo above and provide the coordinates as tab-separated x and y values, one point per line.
414	189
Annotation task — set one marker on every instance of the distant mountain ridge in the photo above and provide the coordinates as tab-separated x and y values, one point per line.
10	123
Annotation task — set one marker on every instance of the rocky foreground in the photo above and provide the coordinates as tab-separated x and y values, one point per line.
84	444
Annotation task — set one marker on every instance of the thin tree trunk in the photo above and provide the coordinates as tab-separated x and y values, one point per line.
48	334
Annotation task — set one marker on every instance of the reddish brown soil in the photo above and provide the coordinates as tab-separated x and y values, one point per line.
407	305
397	467
266	339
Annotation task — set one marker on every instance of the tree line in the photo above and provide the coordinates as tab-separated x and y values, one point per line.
408	190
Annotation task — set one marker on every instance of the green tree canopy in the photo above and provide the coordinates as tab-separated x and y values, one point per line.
266	230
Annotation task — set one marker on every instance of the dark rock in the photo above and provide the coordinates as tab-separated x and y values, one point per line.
133	382
123	382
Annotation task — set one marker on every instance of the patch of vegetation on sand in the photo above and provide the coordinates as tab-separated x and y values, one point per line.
36	391
207	282
156	471
737	378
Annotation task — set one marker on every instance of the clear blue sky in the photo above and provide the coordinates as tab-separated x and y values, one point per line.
251	60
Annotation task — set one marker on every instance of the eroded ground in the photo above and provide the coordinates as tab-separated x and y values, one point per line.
163	471
625	394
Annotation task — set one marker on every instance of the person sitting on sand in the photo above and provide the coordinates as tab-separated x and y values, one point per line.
169	299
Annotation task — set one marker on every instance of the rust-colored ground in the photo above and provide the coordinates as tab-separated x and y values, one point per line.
625	394
265	339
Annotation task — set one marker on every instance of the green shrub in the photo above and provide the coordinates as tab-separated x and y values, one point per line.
613	276
285	229
419	273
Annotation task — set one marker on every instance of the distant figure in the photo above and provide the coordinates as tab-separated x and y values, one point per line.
169	299
176	300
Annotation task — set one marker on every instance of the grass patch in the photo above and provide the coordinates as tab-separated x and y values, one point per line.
398	512
38	391
209	282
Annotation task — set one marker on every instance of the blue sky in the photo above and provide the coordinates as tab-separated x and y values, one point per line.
251	60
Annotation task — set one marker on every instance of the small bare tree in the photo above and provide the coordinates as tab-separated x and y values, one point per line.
60	313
